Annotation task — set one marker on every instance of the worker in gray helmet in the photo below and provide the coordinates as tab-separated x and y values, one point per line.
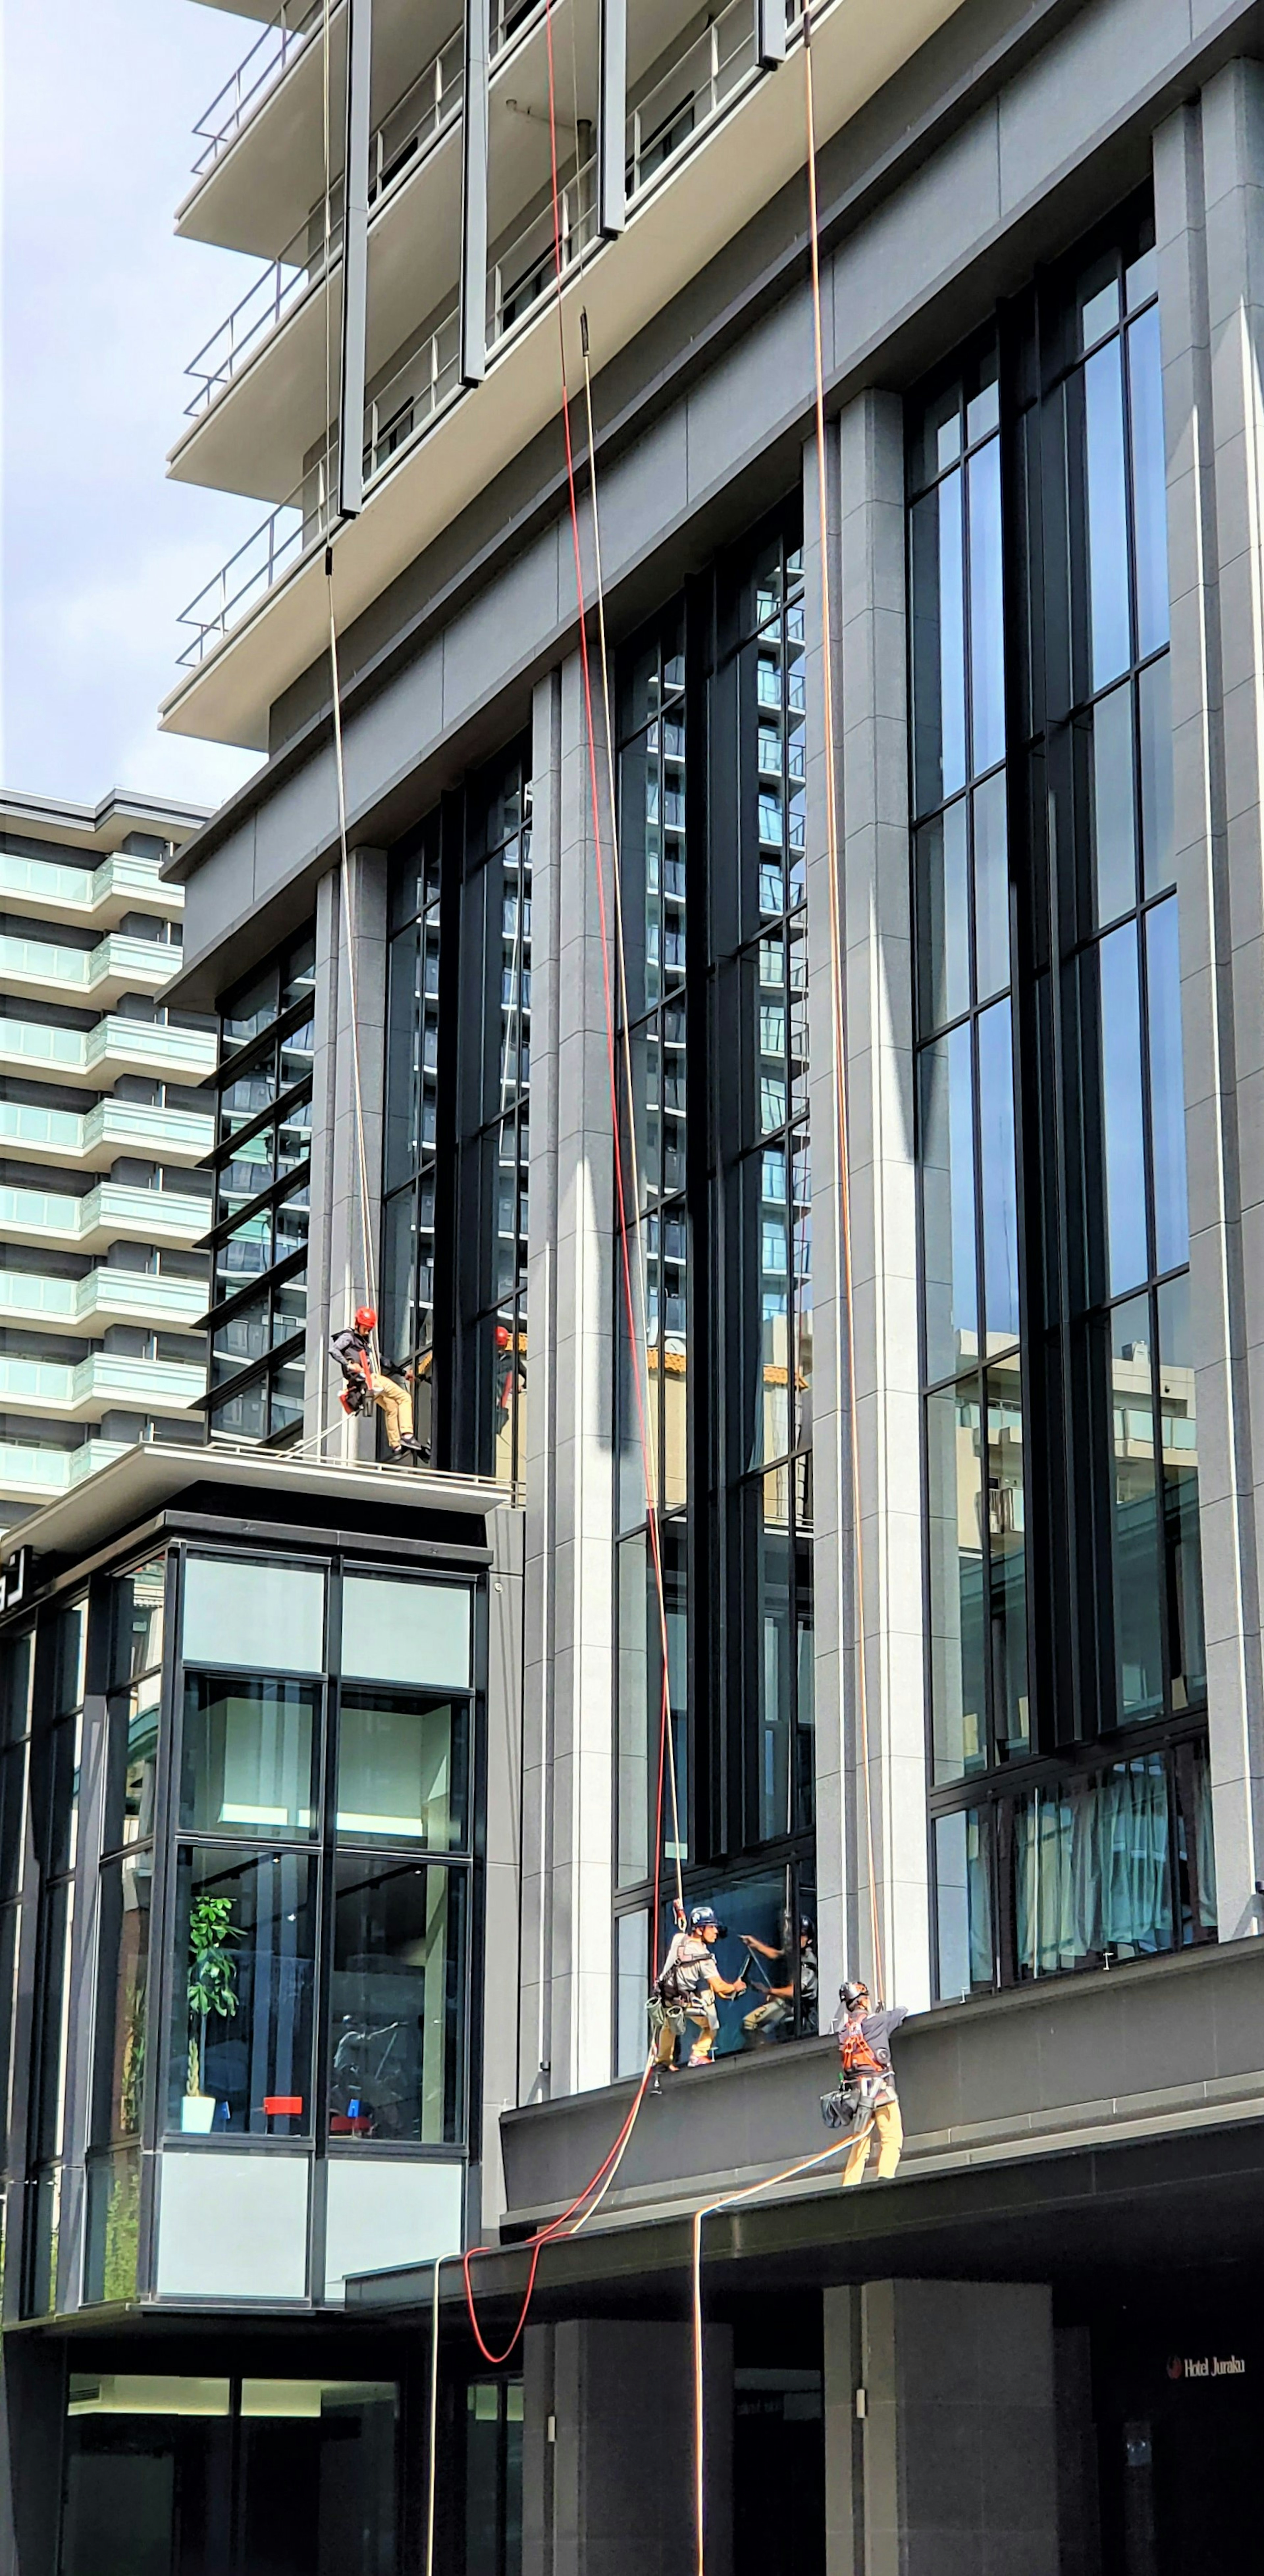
686	1990
866	2077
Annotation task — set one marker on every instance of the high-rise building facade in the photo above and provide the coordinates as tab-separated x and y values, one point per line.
745	950
105	1128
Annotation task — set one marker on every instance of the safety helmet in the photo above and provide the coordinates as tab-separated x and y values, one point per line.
366	1319
700	1915
851	1994
807	1927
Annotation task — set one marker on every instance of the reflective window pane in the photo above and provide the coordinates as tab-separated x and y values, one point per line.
133	1763
1134	1520
999	1190
963	1903
1114	826
1124	1133
948	1205
397	2002
267	1615
1007	1558
991	889
241	2029
250	1747
1092	1873
1182	1551
402	1769
138	1609
1157	826
122	1997
987	610
1149	481
402	1630
939	680
955	1537
1108	585
943	916
1167	1087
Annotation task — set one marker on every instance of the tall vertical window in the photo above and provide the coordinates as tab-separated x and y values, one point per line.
262	1198
495	1140
716	1180
654	1390
1067	1667
454	1247
410	1179
762	990
134	1701
55	1757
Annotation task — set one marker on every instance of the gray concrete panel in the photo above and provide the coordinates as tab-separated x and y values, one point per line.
1044	2066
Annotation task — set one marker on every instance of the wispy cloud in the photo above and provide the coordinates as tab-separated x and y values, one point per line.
102	309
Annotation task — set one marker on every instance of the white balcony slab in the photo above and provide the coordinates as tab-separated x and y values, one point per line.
107	1296
117	965
96	1057
50	890
178	1136
111	1213
82	1390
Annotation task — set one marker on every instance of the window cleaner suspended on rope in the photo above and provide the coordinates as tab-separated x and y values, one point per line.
686	1989
365	1385
866	2099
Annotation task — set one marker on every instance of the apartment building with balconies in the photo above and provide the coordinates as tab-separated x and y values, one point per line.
103	1127
746	946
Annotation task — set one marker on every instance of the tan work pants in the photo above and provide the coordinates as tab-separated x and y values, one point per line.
890	2128
395	1405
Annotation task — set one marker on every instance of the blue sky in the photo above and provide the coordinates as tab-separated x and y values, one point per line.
102	309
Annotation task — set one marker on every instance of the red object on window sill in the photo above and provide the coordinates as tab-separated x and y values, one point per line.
342	2127
283	2105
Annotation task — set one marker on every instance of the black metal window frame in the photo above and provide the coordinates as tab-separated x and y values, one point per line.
1071	1741
457	1138
262	1323
699	775
58	1700
323	1848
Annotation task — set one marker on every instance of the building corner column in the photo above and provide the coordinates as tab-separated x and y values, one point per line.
1209	209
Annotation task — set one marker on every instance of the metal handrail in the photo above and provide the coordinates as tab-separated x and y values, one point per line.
412	396
684	100
397	147
245	89
525	271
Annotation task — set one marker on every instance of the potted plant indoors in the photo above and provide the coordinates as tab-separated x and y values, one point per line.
212	1990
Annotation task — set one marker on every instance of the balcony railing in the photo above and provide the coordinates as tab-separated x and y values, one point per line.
114	1126
265	305
258	73
399	412
682	101
527	270
116	1045
107	1295
662	124
397	147
112	1212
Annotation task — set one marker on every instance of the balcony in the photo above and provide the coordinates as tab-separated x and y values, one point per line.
52	892
118	965
107	1296
711	137
178	1136
82	1390
28	1473
96	1057
111	1213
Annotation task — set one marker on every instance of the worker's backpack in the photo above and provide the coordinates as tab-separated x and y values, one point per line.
856	2056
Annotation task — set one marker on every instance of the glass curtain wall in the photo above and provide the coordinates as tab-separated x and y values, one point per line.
56	1743
1064	1603
262	1162
17	1657
716	1180
126	1890
454	1248
323	1827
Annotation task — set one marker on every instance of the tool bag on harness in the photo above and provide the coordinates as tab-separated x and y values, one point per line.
357	1396
861	2076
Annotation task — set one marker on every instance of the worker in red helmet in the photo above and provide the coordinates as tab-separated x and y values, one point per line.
353	1350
